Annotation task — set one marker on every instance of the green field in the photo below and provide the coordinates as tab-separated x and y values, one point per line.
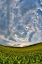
26	55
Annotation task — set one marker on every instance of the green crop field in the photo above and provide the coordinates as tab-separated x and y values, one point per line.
26	55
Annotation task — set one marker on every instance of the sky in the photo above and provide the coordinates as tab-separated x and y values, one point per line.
20	22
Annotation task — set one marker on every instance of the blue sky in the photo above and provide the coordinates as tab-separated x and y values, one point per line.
20	22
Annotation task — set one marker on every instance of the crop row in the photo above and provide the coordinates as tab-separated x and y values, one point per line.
17	57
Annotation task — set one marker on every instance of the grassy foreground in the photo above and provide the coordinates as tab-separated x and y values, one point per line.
26	55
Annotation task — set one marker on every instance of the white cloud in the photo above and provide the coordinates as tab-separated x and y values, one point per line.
10	43
2	37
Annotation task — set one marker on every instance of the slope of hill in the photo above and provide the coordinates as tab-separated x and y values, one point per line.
25	55
31	47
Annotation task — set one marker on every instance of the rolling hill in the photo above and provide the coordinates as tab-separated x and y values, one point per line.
21	55
31	47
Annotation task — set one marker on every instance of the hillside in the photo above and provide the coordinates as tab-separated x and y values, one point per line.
25	55
31	47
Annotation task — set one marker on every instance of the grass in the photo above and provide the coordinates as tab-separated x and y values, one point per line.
27	55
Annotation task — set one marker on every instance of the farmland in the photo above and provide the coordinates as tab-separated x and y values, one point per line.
27	55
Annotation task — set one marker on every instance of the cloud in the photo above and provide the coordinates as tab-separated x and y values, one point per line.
19	27
20	0
27	5
41	2
20	31
15	11
31	35
11	38
10	44
4	19
39	25
16	20
4	42
20	45
20	20
39	12
2	37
